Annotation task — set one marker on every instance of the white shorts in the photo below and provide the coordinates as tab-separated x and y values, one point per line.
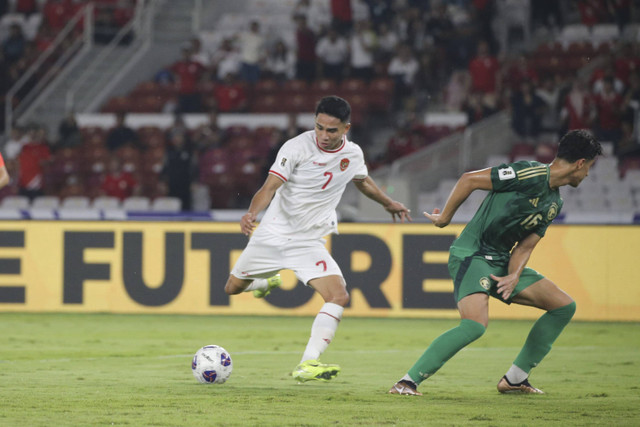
266	254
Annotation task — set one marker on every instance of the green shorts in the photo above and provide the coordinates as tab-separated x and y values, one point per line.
472	274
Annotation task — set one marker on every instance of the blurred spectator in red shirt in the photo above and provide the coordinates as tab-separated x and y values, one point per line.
187	73
484	69
412	136
305	50
578	109
592	11
608	71
609	113
26	7
230	95
33	157
57	13
627	62
123	12
342	15
518	71
118	183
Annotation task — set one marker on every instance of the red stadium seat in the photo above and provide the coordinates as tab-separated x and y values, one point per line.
380	94
324	87
266	86
553	48
352	85
294	85
265	103
129	158
299	103
117	104
580	48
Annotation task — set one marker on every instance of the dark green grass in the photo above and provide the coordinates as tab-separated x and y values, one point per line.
81	369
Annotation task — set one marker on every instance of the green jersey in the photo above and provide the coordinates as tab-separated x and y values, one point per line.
520	203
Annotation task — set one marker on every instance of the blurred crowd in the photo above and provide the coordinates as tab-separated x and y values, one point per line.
29	27
439	55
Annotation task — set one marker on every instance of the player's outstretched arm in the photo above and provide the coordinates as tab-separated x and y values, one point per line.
259	202
468	182
369	188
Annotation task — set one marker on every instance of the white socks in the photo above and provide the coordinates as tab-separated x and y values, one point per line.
257	284
323	330
516	375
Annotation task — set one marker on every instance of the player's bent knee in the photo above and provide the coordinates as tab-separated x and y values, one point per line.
566	311
341	299
472	329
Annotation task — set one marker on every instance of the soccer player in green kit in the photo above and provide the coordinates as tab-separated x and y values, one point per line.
490	256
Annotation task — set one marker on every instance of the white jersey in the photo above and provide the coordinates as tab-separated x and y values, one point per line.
304	207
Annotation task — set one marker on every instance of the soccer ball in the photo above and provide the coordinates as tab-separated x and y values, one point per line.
211	365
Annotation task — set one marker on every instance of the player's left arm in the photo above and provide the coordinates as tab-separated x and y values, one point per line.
369	188
519	258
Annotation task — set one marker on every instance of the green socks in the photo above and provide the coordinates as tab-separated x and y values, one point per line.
543	334
538	344
444	348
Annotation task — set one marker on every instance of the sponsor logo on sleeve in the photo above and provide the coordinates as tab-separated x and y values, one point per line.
283	162
506	173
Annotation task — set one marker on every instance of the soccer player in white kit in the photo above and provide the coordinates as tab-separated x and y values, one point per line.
302	190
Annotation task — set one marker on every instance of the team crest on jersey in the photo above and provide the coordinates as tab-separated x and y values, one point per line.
485	283
344	163
283	162
553	211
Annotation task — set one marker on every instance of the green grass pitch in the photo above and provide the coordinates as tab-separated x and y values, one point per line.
134	370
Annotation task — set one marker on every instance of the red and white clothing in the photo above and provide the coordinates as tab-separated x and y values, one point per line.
303	210
483	70
31	159
314	180
120	185
188	73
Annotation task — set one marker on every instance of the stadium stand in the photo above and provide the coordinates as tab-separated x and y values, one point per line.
232	167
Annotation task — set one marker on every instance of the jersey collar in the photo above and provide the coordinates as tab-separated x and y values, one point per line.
344	140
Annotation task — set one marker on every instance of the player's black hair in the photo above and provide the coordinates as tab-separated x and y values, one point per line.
578	144
334	106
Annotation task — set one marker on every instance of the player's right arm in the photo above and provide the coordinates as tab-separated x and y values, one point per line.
259	202
468	183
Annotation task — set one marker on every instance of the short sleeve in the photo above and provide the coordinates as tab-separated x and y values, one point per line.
361	173
285	162
504	178
524	176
